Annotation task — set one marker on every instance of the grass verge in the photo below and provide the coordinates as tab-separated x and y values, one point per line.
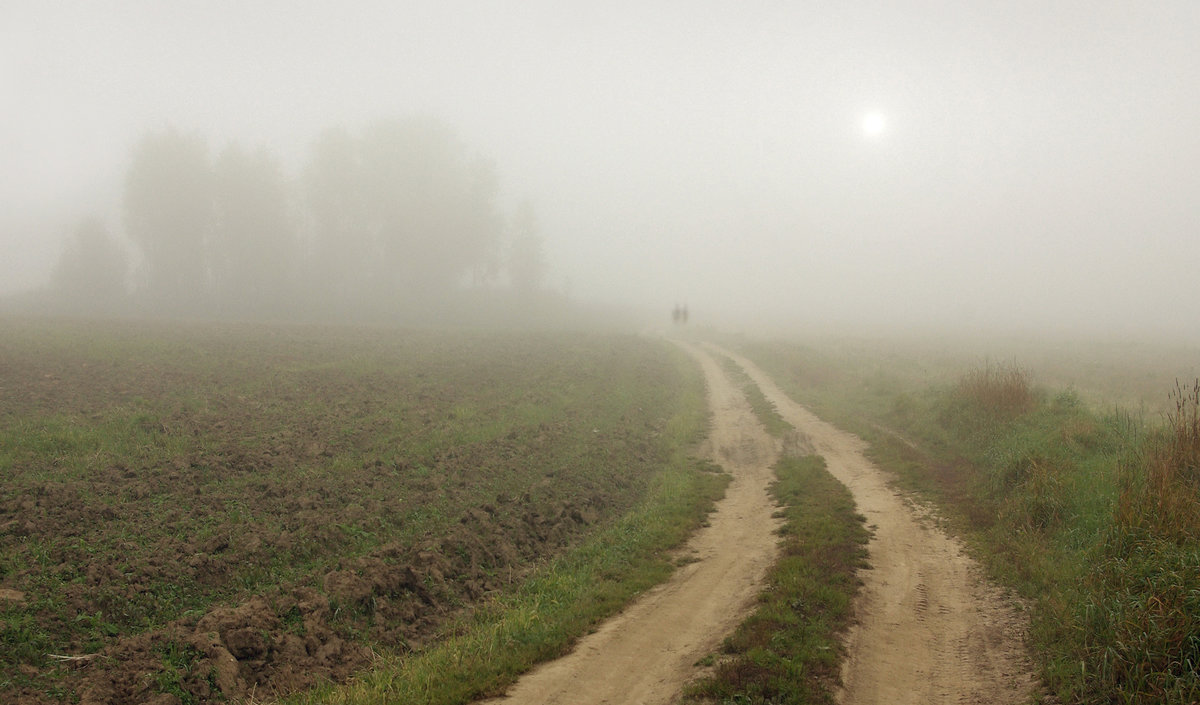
788	649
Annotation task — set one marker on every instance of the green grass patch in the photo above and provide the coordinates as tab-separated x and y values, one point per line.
788	649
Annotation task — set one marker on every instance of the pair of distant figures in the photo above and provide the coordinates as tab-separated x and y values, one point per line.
680	314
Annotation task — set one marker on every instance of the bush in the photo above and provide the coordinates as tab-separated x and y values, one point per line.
998	391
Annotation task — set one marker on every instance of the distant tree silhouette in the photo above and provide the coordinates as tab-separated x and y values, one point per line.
169	216
92	270
526	260
430	205
392	218
343	250
253	247
402	212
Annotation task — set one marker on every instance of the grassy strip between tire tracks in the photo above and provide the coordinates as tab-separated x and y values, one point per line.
788	649
485	652
766	412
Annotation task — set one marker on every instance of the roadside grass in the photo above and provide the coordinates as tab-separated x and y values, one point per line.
1141	615
788	650
1093	517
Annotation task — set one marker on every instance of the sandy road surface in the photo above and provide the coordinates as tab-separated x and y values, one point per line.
930	629
645	654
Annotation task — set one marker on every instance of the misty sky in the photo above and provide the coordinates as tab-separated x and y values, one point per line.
1039	162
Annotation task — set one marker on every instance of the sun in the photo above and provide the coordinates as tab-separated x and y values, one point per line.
874	125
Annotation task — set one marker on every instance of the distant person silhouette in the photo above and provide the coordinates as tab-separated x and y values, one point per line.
680	314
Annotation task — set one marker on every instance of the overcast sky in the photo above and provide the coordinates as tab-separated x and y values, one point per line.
1038	161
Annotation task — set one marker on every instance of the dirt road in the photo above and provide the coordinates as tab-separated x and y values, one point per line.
645	654
930	629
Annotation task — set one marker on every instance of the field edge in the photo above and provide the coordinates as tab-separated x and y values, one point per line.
484	652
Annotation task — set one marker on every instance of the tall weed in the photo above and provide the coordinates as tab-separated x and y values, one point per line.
1140	621
1160	495
998	392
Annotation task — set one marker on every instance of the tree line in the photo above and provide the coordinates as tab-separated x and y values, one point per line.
396	219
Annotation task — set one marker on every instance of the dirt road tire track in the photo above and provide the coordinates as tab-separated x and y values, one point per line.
930	629
645	654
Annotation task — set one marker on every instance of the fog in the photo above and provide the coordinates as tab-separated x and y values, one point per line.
1030	166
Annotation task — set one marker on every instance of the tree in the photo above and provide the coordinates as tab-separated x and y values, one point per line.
526	260
92	269
169	215
430	207
252	248
342	250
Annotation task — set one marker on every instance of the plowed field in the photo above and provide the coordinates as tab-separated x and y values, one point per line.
206	512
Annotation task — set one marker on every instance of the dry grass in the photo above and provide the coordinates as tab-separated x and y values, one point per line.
1003	391
1162	496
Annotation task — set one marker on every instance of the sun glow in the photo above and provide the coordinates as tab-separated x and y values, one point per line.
874	125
